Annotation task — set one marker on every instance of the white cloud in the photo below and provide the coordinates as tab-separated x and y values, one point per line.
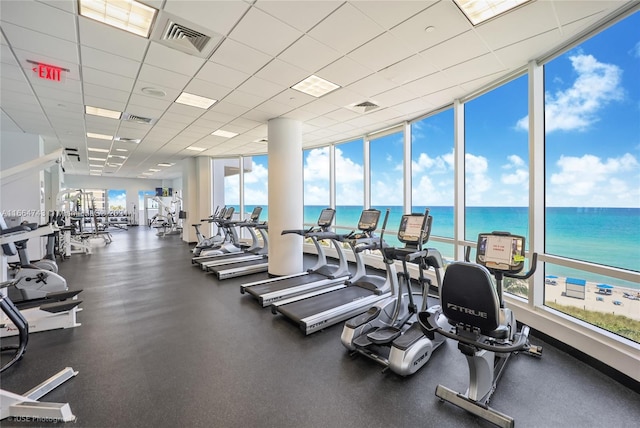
520	174
435	165
592	181
635	52
258	174
117	200
576	108
476	179
514	161
316	165
387	192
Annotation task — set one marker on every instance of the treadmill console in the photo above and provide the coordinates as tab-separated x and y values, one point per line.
255	214
369	220
326	217
501	251
229	213
412	230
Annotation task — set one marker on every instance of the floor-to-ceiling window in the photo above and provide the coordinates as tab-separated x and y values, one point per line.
592	176
432	179
317	194
256	185
232	185
496	165
349	164
386	180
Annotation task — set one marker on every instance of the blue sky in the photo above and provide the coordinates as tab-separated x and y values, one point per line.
592	116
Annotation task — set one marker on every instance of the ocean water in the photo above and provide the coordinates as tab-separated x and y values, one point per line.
608	236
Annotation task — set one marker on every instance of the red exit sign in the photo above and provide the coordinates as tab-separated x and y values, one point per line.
48	72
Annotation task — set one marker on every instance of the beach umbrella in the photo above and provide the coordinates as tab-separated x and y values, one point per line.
605	286
550	276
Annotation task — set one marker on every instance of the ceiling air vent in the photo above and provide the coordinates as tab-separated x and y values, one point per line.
185	36
365	106
127	140
137	119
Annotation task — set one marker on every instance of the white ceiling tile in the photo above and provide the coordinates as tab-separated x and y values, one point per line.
170	93
344	71
517	54
281	73
118	42
346	29
410	69
371	85
264	32
390	13
163	78
342	114
300	15
58	92
40	17
7	124
319	107
450	52
221	75
102	92
309	54
106	79
478	67
260	87
381	52
173	60
219	16
207	89
271	108
40	45
521	23
102	60
240	57
293	98
444	16
159	104
230	108
244	99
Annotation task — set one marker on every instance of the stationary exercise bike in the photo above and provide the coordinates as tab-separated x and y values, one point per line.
388	332
32	281
485	329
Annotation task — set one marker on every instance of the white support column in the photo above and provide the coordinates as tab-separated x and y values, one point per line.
536	178
408	184
366	160
332	176
285	195
459	183
189	198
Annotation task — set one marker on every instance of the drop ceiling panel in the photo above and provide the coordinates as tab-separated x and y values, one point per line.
281	73
40	45
344	71
163	78
102	60
173	60
520	24
8	125
102	92
410	69
260	87
454	51
371	85
207	89
309	54
517	54
60	93
264	32
300	15
221	75
293	98
390	13
219	16
106	79
245	99
41	18
118	42
230	109
159	104
444	16
240	57
482	66
346	29
381	52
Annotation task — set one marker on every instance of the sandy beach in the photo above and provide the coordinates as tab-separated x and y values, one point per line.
595	301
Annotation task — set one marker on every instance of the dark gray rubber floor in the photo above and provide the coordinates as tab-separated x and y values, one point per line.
162	344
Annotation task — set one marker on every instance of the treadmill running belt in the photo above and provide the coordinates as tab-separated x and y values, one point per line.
314	305
260	289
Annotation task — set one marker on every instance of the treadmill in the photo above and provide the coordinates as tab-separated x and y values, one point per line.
244	267
322	276
313	313
255	251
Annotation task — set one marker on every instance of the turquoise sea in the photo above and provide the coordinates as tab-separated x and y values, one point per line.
608	236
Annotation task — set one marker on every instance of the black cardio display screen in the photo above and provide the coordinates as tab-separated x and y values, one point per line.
411	230
326	217
369	220
501	252
255	214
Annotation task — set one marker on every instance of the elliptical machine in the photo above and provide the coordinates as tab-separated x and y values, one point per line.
388	332
485	329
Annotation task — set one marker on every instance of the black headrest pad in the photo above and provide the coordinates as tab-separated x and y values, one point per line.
469	296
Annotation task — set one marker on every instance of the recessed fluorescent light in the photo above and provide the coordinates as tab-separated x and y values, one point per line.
480	11
117	156
94	173
114	165
223	133
147	173
165	164
127	140
103	112
128	15
97	159
95	170
315	86
122	150
195	100
154	170
93	149
196	149
95	166
99	136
